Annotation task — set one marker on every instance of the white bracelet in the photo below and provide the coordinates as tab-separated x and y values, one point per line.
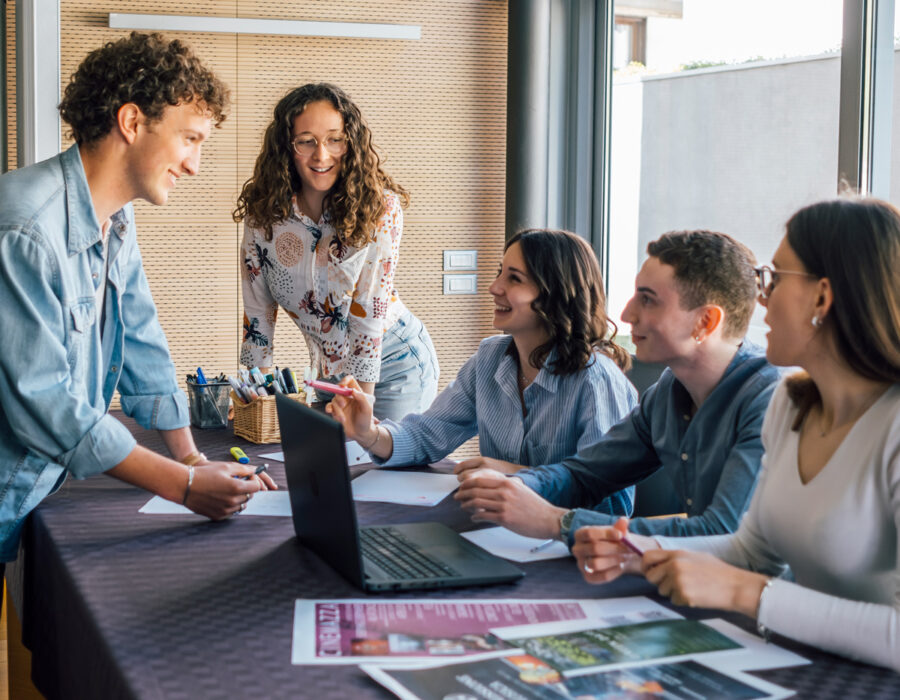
764	631
187	491
375	441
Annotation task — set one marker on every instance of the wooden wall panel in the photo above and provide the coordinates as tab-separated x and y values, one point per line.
436	108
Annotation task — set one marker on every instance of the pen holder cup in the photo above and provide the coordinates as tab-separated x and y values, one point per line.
208	404
257	421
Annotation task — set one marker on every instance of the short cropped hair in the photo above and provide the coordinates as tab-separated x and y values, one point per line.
711	268
146	69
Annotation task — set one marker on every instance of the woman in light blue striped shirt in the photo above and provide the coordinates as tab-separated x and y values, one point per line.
552	384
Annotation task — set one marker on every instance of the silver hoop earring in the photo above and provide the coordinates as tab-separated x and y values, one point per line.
698	339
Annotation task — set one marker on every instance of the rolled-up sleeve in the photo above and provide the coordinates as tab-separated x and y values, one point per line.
423	438
148	388
46	410
260	308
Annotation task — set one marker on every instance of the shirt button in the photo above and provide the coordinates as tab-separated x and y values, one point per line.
687	416
684	456
113	369
95	275
689	501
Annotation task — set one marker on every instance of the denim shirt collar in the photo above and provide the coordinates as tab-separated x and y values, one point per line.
507	374
84	229
746	350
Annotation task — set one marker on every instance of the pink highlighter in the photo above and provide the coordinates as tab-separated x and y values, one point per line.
631	545
329	387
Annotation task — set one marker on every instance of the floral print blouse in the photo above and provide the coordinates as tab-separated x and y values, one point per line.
342	298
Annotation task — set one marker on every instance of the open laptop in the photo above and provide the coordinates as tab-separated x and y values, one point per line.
379	558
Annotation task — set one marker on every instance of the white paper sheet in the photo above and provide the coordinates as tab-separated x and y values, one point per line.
355	454
275	503
406	488
509	545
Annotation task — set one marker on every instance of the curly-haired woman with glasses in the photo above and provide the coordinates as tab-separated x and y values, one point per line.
534	396
322	228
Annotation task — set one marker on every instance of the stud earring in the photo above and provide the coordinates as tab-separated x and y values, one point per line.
698	339
815	321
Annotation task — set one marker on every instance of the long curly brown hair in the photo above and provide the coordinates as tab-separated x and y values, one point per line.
146	69
571	302
355	203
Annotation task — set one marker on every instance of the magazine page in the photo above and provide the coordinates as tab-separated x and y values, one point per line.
350	631
524	677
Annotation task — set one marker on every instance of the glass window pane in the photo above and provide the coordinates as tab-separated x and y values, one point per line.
731	126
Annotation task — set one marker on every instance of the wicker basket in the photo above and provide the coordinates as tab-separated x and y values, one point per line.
257	421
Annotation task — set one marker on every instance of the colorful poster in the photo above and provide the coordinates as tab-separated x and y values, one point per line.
351	631
590	648
526	678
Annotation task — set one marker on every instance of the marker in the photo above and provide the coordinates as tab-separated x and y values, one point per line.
201	379
542	546
261	468
631	545
239	455
329	387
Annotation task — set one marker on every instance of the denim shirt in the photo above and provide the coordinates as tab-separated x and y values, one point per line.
564	413
711	458
57	377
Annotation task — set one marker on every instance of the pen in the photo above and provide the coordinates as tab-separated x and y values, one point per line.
329	387
256	472
632	546
541	547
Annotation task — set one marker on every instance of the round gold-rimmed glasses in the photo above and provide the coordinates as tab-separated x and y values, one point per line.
767	278
306	145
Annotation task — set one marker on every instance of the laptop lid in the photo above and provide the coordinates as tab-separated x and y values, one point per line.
315	464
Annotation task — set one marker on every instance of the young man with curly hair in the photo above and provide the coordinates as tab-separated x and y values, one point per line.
78	319
699	424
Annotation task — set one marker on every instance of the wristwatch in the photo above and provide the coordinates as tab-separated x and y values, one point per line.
565	525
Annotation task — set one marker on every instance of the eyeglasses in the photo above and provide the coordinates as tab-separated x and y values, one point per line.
767	278
336	145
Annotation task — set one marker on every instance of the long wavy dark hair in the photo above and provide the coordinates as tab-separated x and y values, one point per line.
571	302
854	242
355	203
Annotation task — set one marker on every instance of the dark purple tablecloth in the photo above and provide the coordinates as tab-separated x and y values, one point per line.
122	605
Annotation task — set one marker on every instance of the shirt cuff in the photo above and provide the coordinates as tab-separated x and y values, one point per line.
530	479
159	412
103	447
404	448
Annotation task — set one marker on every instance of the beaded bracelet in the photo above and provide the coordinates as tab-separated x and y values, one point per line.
764	631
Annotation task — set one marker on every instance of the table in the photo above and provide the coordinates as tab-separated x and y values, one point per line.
115	604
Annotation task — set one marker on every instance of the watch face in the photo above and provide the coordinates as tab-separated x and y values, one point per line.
565	523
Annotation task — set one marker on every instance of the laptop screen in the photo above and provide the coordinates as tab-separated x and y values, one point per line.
315	464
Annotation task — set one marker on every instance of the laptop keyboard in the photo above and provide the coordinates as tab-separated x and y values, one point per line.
399	557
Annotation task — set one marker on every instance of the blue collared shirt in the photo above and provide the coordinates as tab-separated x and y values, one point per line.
711	458
563	414
57	377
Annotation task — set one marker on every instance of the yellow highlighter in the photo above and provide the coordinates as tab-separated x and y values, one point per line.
239	455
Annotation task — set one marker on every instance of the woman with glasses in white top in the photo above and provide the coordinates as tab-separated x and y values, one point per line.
827	505
322	228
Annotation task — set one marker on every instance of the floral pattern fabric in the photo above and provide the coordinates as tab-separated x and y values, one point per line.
341	297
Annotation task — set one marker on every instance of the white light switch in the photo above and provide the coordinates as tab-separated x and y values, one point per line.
460	284
460	260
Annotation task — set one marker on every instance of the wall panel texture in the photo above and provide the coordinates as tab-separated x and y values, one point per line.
437	110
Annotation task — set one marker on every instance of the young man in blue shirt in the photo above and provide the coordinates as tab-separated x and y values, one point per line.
78	320
700	423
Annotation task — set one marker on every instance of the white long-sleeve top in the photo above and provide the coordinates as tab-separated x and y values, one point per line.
837	533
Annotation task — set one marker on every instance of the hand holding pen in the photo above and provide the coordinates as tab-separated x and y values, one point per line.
605	553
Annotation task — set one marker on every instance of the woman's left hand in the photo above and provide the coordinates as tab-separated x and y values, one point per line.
700	580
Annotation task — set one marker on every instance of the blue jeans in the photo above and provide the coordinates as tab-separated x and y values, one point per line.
409	370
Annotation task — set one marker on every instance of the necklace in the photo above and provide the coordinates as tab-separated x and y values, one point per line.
870	401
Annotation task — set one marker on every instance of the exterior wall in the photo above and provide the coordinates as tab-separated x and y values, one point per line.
734	149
